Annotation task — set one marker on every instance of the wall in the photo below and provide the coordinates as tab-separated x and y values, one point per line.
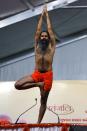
63	101
70	62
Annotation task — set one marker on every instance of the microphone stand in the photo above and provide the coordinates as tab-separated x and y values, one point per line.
55	114
26	111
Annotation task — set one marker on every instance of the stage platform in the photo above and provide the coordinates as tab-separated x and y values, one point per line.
42	127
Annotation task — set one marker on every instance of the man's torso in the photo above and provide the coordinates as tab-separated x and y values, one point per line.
44	59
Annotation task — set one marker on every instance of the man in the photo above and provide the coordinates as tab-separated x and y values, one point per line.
43	75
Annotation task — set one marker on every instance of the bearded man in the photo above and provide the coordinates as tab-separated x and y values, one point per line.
42	76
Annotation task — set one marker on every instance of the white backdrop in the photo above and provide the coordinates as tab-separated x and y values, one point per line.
67	99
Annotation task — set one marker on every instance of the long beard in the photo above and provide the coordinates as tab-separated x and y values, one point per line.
43	44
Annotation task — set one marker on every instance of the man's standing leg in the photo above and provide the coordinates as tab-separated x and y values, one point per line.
44	96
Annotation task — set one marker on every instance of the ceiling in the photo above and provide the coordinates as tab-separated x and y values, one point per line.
18	22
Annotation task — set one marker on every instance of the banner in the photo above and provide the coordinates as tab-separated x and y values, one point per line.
67	99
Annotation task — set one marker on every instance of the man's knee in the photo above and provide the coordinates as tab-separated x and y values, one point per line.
17	85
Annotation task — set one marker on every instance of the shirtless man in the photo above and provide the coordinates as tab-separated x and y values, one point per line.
42	76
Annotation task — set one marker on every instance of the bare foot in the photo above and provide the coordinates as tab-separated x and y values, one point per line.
41	84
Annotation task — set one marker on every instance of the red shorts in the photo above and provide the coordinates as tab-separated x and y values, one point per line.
46	77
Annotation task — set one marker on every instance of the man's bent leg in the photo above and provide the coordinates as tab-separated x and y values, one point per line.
24	80
26	83
28	86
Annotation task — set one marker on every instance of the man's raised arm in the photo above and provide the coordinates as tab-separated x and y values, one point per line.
49	26
39	27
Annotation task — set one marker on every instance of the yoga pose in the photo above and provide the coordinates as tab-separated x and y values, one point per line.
42	76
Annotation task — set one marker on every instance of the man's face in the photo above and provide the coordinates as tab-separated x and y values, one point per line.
44	35
44	41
